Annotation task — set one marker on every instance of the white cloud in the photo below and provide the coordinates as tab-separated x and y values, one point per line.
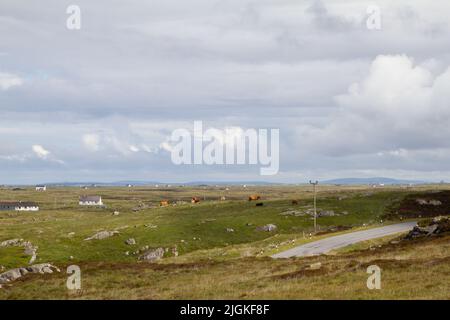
91	141
398	105
40	151
8	80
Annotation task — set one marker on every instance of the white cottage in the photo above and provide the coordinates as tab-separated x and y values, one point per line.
90	201
18	206
41	188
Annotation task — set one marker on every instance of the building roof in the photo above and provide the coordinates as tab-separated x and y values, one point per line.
90	198
18	203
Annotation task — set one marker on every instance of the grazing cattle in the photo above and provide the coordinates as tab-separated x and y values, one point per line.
254	197
259	204
164	203
195	200
294	202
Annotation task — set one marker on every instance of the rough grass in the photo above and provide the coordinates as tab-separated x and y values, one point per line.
217	264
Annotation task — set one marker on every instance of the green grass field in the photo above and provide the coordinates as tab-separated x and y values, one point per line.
212	262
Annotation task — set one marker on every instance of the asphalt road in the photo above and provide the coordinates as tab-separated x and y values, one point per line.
328	244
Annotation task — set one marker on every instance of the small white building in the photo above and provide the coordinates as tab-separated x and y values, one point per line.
90	201
41	188
18	206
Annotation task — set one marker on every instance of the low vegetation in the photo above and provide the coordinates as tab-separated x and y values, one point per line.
214	248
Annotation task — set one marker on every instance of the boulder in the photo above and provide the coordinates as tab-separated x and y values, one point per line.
102	235
11	243
17	273
326	213
152	255
295	213
230	230
130	242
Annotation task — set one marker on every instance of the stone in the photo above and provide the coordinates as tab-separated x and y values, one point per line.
230	230
295	213
11	243
116	213
102	235
315	266
326	213
130	241
269	227
152	255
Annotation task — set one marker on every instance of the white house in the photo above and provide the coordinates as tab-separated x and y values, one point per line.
90	201
41	188
18	206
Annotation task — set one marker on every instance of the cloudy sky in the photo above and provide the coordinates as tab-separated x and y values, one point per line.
100	103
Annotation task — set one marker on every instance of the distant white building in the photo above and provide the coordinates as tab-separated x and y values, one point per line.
90	201
18	206
41	188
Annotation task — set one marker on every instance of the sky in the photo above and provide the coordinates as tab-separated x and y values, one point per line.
100	103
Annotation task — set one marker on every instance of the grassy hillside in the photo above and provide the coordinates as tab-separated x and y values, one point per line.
207	252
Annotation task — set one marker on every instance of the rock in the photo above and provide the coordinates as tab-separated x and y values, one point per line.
437	226
130	242
175	251
295	213
269	227
432	202
152	255
326	213
11	243
17	273
10	275
230	230
315	266
71	234
102	235
116	213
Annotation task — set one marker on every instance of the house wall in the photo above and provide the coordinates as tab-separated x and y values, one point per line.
26	208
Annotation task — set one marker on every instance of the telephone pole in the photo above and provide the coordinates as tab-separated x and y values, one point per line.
315	209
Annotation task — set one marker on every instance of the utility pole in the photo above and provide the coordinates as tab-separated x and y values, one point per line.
315	209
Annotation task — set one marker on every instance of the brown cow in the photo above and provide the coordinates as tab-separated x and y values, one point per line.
164	203
195	200
254	197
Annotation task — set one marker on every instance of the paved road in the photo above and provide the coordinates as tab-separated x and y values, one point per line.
328	244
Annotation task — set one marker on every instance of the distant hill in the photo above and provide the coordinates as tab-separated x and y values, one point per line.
375	180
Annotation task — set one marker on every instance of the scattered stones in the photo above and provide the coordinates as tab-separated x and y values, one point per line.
152	255
291	212
29	249
102	235
436	226
432	202
130	242
17	273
